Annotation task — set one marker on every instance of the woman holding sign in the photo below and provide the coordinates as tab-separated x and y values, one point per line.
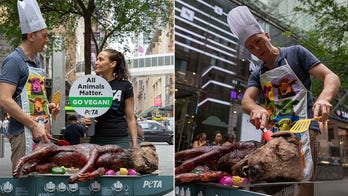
112	127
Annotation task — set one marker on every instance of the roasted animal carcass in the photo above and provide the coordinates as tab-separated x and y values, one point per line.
278	160
92	160
218	159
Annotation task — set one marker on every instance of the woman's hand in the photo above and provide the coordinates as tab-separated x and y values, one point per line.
54	109
135	146
87	122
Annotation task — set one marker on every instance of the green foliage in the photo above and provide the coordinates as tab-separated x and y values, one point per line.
114	19
329	39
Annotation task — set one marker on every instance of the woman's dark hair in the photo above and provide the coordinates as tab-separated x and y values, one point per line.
200	135
228	136
121	69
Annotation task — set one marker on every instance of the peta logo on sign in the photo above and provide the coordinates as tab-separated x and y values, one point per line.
152	184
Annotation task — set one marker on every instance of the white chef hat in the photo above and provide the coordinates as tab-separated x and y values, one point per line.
30	16
242	23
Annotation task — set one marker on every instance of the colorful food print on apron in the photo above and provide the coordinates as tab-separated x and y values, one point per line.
35	103
286	102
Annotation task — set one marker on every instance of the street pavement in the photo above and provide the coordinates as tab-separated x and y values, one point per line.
5	162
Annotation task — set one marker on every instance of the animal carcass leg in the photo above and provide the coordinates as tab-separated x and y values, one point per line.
89	167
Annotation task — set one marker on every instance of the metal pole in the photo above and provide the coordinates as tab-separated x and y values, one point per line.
1	145
58	84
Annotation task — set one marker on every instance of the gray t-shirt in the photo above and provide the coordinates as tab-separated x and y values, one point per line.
301	62
15	71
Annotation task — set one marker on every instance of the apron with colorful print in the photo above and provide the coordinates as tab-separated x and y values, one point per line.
35	103
286	102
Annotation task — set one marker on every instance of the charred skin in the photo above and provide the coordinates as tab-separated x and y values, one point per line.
92	160
211	154
209	176
278	160
239	152
216	160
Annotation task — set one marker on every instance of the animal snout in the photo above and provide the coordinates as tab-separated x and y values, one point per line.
255	171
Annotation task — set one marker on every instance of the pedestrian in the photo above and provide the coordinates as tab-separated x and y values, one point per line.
200	140
73	131
228	139
1	128
114	126
5	124
284	81
217	139
22	91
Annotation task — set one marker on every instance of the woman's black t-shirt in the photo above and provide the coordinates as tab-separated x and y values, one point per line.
113	122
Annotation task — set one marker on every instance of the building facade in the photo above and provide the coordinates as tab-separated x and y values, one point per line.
211	71
153	75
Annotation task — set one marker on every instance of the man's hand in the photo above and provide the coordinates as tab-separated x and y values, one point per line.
259	118
40	134
322	108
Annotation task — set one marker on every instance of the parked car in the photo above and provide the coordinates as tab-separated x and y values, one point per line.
155	132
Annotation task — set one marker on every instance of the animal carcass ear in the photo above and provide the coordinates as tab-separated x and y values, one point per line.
290	137
284	134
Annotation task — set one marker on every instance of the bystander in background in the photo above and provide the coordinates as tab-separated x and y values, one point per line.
74	131
217	139
200	140
228	139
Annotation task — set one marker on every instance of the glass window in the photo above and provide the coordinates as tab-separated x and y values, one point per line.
160	61
155	127
148	62
144	125
154	62
135	63
141	62
167	60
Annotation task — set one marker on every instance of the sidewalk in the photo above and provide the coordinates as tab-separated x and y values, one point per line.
5	162
332	187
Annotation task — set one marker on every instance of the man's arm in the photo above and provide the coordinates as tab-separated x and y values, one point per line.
331	86
258	115
12	108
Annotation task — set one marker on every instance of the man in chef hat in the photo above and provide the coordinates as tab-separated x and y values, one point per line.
22	83
286	66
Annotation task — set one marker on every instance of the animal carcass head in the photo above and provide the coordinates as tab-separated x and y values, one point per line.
278	160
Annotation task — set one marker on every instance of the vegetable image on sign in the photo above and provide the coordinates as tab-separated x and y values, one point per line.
90	96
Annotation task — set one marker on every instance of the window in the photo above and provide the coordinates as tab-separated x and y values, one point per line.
148	62
154	61
167	60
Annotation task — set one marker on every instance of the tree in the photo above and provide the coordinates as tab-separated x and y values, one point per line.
113	19
329	39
